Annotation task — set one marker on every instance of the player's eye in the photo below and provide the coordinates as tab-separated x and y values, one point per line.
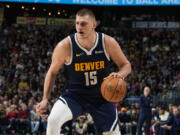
83	24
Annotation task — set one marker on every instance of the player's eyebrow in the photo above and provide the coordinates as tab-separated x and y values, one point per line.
82	23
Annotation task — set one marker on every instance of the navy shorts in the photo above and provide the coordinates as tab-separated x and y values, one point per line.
104	113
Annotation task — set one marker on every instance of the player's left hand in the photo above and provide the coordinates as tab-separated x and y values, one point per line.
115	74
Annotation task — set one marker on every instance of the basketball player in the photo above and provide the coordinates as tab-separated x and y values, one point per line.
85	56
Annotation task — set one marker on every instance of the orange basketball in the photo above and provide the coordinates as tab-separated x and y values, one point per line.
113	89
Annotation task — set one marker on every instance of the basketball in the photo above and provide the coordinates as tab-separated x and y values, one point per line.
113	89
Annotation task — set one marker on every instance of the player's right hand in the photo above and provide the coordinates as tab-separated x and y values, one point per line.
41	107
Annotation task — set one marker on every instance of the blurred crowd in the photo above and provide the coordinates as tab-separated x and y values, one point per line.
154	56
25	56
165	120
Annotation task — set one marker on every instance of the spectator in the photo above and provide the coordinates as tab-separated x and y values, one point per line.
175	126
155	123
124	119
134	121
169	120
23	122
90	124
163	115
4	122
12	116
35	120
176	123
81	126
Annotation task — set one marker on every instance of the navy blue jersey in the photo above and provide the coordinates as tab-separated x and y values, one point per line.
85	73
145	104
87	69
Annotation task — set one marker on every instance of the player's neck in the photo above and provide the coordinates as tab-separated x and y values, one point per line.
88	42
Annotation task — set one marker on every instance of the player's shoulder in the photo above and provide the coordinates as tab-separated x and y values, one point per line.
108	38
62	50
64	43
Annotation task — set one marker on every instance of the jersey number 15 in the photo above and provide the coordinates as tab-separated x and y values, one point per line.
91	78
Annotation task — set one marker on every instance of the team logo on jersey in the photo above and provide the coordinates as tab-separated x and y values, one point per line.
89	66
79	54
97	52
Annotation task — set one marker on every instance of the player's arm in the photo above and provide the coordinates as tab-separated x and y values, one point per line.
115	53
59	57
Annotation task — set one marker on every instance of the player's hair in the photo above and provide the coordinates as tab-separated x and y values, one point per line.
85	11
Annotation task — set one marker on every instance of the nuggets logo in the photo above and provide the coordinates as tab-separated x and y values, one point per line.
89	66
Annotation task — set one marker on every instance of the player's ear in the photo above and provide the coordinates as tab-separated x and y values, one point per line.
94	24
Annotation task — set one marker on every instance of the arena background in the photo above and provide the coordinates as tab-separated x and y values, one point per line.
148	33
